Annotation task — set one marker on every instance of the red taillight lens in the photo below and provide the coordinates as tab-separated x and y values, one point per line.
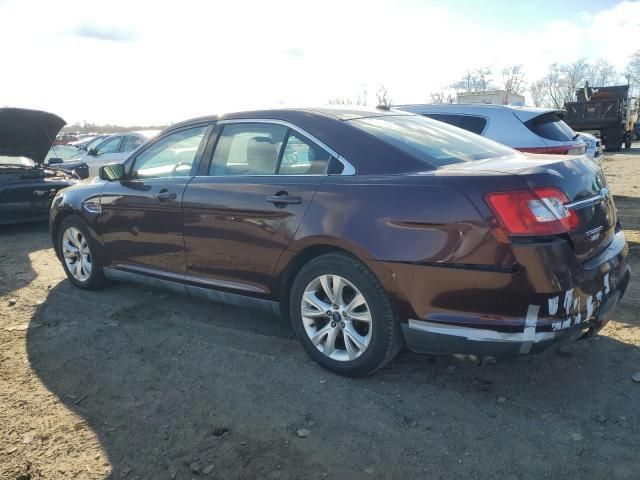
577	149
539	211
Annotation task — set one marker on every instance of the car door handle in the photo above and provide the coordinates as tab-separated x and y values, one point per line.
283	199
163	196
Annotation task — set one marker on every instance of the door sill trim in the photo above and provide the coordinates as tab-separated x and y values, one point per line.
177	282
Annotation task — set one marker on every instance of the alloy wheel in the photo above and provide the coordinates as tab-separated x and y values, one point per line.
336	317
76	253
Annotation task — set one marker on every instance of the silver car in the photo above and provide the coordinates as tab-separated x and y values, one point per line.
528	129
593	145
114	148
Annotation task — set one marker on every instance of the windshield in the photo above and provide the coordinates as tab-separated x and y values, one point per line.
65	152
433	142
94	143
17	161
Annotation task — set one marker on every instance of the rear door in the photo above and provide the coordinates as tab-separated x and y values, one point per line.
243	209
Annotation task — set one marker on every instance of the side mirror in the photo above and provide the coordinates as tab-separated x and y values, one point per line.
92	151
111	172
55	161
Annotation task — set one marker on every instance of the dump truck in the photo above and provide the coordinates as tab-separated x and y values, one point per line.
606	110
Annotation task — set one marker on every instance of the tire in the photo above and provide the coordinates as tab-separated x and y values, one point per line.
356	346
77	247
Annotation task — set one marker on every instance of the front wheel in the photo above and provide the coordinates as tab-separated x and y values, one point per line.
78	253
342	315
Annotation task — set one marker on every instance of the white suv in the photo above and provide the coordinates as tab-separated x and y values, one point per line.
528	129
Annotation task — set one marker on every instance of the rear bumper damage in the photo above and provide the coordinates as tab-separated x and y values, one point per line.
505	325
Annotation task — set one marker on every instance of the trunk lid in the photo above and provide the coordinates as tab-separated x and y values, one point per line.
28	133
584	184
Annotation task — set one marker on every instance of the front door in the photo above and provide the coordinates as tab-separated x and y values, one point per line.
142	220
243	213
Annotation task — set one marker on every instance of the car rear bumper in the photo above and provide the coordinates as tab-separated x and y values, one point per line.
545	301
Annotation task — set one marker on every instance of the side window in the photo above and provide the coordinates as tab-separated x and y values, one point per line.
248	149
303	157
131	142
473	124
171	156
109	146
446	118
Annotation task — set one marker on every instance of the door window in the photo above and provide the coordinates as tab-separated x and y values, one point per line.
248	149
171	156
473	124
130	143
109	146
468	122
303	157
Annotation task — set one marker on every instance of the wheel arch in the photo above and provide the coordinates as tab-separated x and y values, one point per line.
293	260
60	216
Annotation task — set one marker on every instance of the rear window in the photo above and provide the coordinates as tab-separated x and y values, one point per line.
551	126
470	123
433	142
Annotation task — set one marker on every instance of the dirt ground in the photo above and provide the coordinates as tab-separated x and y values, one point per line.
136	383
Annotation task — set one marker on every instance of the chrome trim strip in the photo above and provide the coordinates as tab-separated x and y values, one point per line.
587	202
349	169
92	207
193	279
479	335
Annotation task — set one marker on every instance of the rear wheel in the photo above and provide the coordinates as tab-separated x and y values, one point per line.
78	252
342	316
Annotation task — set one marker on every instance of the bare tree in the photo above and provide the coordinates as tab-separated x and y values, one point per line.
539	91
477	80
467	83
632	72
602	74
563	80
383	96
513	79
436	97
340	101
483	79
359	100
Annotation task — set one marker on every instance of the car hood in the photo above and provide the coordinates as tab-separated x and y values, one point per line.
28	133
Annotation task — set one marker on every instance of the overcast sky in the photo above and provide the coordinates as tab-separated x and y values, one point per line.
143	62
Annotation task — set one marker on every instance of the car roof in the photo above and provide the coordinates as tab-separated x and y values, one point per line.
289	114
477	107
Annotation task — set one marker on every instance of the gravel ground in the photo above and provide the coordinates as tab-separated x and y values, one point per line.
142	384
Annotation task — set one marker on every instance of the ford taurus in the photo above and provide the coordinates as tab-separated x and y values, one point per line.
367	229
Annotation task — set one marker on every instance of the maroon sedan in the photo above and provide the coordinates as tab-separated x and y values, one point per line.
368	229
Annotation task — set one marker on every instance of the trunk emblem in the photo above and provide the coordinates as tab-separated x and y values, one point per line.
593	234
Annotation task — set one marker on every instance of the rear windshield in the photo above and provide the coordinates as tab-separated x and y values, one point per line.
431	141
552	127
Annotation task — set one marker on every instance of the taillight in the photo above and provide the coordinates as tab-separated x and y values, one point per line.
576	149
540	211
